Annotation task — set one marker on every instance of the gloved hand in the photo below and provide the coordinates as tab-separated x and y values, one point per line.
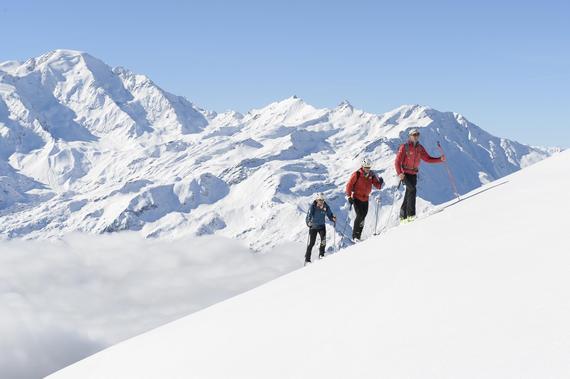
443	158
350	200
381	182
309	224
334	219
402	176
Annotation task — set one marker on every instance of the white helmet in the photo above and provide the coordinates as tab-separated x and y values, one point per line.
413	131
320	196
366	163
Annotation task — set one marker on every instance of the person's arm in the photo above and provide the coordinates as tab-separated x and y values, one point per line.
310	213
377	181
330	215
400	160
428	158
350	185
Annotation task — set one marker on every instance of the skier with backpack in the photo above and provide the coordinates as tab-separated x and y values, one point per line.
407	167
358	191
315	220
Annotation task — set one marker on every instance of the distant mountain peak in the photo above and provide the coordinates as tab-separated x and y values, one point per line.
289	104
412	108
60	55
345	104
60	61
292	100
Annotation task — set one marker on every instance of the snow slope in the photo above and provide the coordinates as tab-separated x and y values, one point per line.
479	290
90	148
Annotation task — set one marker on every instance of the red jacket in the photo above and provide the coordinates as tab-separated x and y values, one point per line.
359	186
408	159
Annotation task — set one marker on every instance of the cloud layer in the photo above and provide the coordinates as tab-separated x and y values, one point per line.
63	300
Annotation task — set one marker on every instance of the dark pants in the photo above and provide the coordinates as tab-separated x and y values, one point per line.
361	209
313	238
409	205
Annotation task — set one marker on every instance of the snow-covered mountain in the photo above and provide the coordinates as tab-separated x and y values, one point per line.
481	291
86	147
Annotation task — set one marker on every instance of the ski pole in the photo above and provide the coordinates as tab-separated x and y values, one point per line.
393	204
377	209
334	237
347	219
449	174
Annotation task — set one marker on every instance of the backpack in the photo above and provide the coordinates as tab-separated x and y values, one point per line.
356	181
407	147
372	175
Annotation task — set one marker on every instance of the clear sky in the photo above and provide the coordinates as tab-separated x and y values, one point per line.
505	65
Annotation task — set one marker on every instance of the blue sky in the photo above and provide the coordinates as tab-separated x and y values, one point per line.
505	65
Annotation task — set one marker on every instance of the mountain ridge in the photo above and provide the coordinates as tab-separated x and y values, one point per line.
86	147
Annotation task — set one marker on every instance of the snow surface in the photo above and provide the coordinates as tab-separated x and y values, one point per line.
90	148
61	301
478	290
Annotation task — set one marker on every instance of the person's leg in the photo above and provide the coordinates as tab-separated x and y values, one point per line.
322	246
358	219
312	239
411	191
364	214
361	208
404	207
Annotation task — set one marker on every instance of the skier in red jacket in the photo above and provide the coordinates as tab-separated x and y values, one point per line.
358	190
407	166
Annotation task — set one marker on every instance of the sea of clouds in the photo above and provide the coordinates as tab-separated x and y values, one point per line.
63	300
